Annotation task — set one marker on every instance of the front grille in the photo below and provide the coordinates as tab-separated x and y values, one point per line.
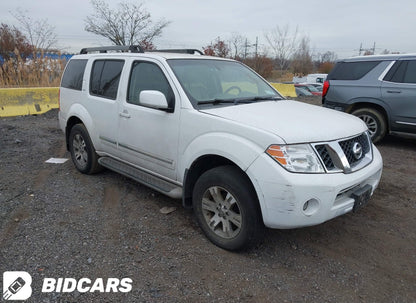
347	147
333	153
325	157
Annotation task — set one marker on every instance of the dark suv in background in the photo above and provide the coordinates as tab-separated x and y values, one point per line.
381	90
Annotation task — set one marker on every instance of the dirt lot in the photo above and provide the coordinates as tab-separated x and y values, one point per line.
56	222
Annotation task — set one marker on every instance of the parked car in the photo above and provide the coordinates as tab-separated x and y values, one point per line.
300	91
316	78
215	134
312	89
318	86
381	90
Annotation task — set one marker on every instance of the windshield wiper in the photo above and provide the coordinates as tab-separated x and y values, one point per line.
239	100
265	98
216	101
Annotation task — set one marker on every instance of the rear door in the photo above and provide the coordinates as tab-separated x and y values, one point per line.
399	92
102	103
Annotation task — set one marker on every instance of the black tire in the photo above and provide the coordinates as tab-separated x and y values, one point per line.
82	150
230	204
375	122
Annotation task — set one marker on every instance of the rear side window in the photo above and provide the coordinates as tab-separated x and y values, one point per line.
351	70
402	72
74	73
105	77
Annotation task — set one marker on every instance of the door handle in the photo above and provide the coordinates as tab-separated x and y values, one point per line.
125	114
394	91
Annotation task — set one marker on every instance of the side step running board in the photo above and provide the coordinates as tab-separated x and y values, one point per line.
163	186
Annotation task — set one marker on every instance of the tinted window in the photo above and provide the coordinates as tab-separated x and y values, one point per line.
73	74
351	70
399	73
402	72
105	77
148	76
410	75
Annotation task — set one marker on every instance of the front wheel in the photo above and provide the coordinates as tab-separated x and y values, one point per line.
375	122
227	208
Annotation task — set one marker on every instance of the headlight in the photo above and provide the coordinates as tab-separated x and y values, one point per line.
296	158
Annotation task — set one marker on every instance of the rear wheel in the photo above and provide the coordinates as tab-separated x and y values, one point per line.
82	150
226	208
375	122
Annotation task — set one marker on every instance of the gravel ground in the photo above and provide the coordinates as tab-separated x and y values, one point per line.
58	223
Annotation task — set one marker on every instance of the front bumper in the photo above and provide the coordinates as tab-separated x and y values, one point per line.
282	195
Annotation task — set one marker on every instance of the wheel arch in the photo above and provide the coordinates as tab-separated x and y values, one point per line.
70	123
78	114
200	166
379	106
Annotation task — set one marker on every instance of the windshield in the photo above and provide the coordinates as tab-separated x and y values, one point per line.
220	82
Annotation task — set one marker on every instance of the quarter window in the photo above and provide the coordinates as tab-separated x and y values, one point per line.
148	76
74	73
402	72
105	77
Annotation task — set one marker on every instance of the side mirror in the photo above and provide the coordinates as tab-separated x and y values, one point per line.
153	99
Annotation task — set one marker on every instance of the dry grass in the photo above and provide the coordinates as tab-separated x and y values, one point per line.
38	72
281	76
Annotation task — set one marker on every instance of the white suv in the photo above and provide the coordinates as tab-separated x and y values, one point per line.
214	133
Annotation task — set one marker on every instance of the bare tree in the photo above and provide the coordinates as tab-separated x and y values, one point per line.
129	24
237	45
328	57
40	33
283	44
302	59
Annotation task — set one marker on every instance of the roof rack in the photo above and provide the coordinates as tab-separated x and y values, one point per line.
104	49
137	49
178	50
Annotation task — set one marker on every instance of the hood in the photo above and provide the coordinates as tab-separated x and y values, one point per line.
294	122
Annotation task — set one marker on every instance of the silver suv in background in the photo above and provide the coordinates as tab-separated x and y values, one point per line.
381	90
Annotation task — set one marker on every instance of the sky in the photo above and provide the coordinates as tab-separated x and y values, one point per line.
331	25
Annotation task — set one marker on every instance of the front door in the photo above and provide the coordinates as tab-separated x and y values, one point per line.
148	137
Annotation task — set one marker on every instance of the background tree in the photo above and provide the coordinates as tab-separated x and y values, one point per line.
13	42
302	59
325	67
261	64
283	43
325	62
129	24
40	34
328	57
217	48
237	46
